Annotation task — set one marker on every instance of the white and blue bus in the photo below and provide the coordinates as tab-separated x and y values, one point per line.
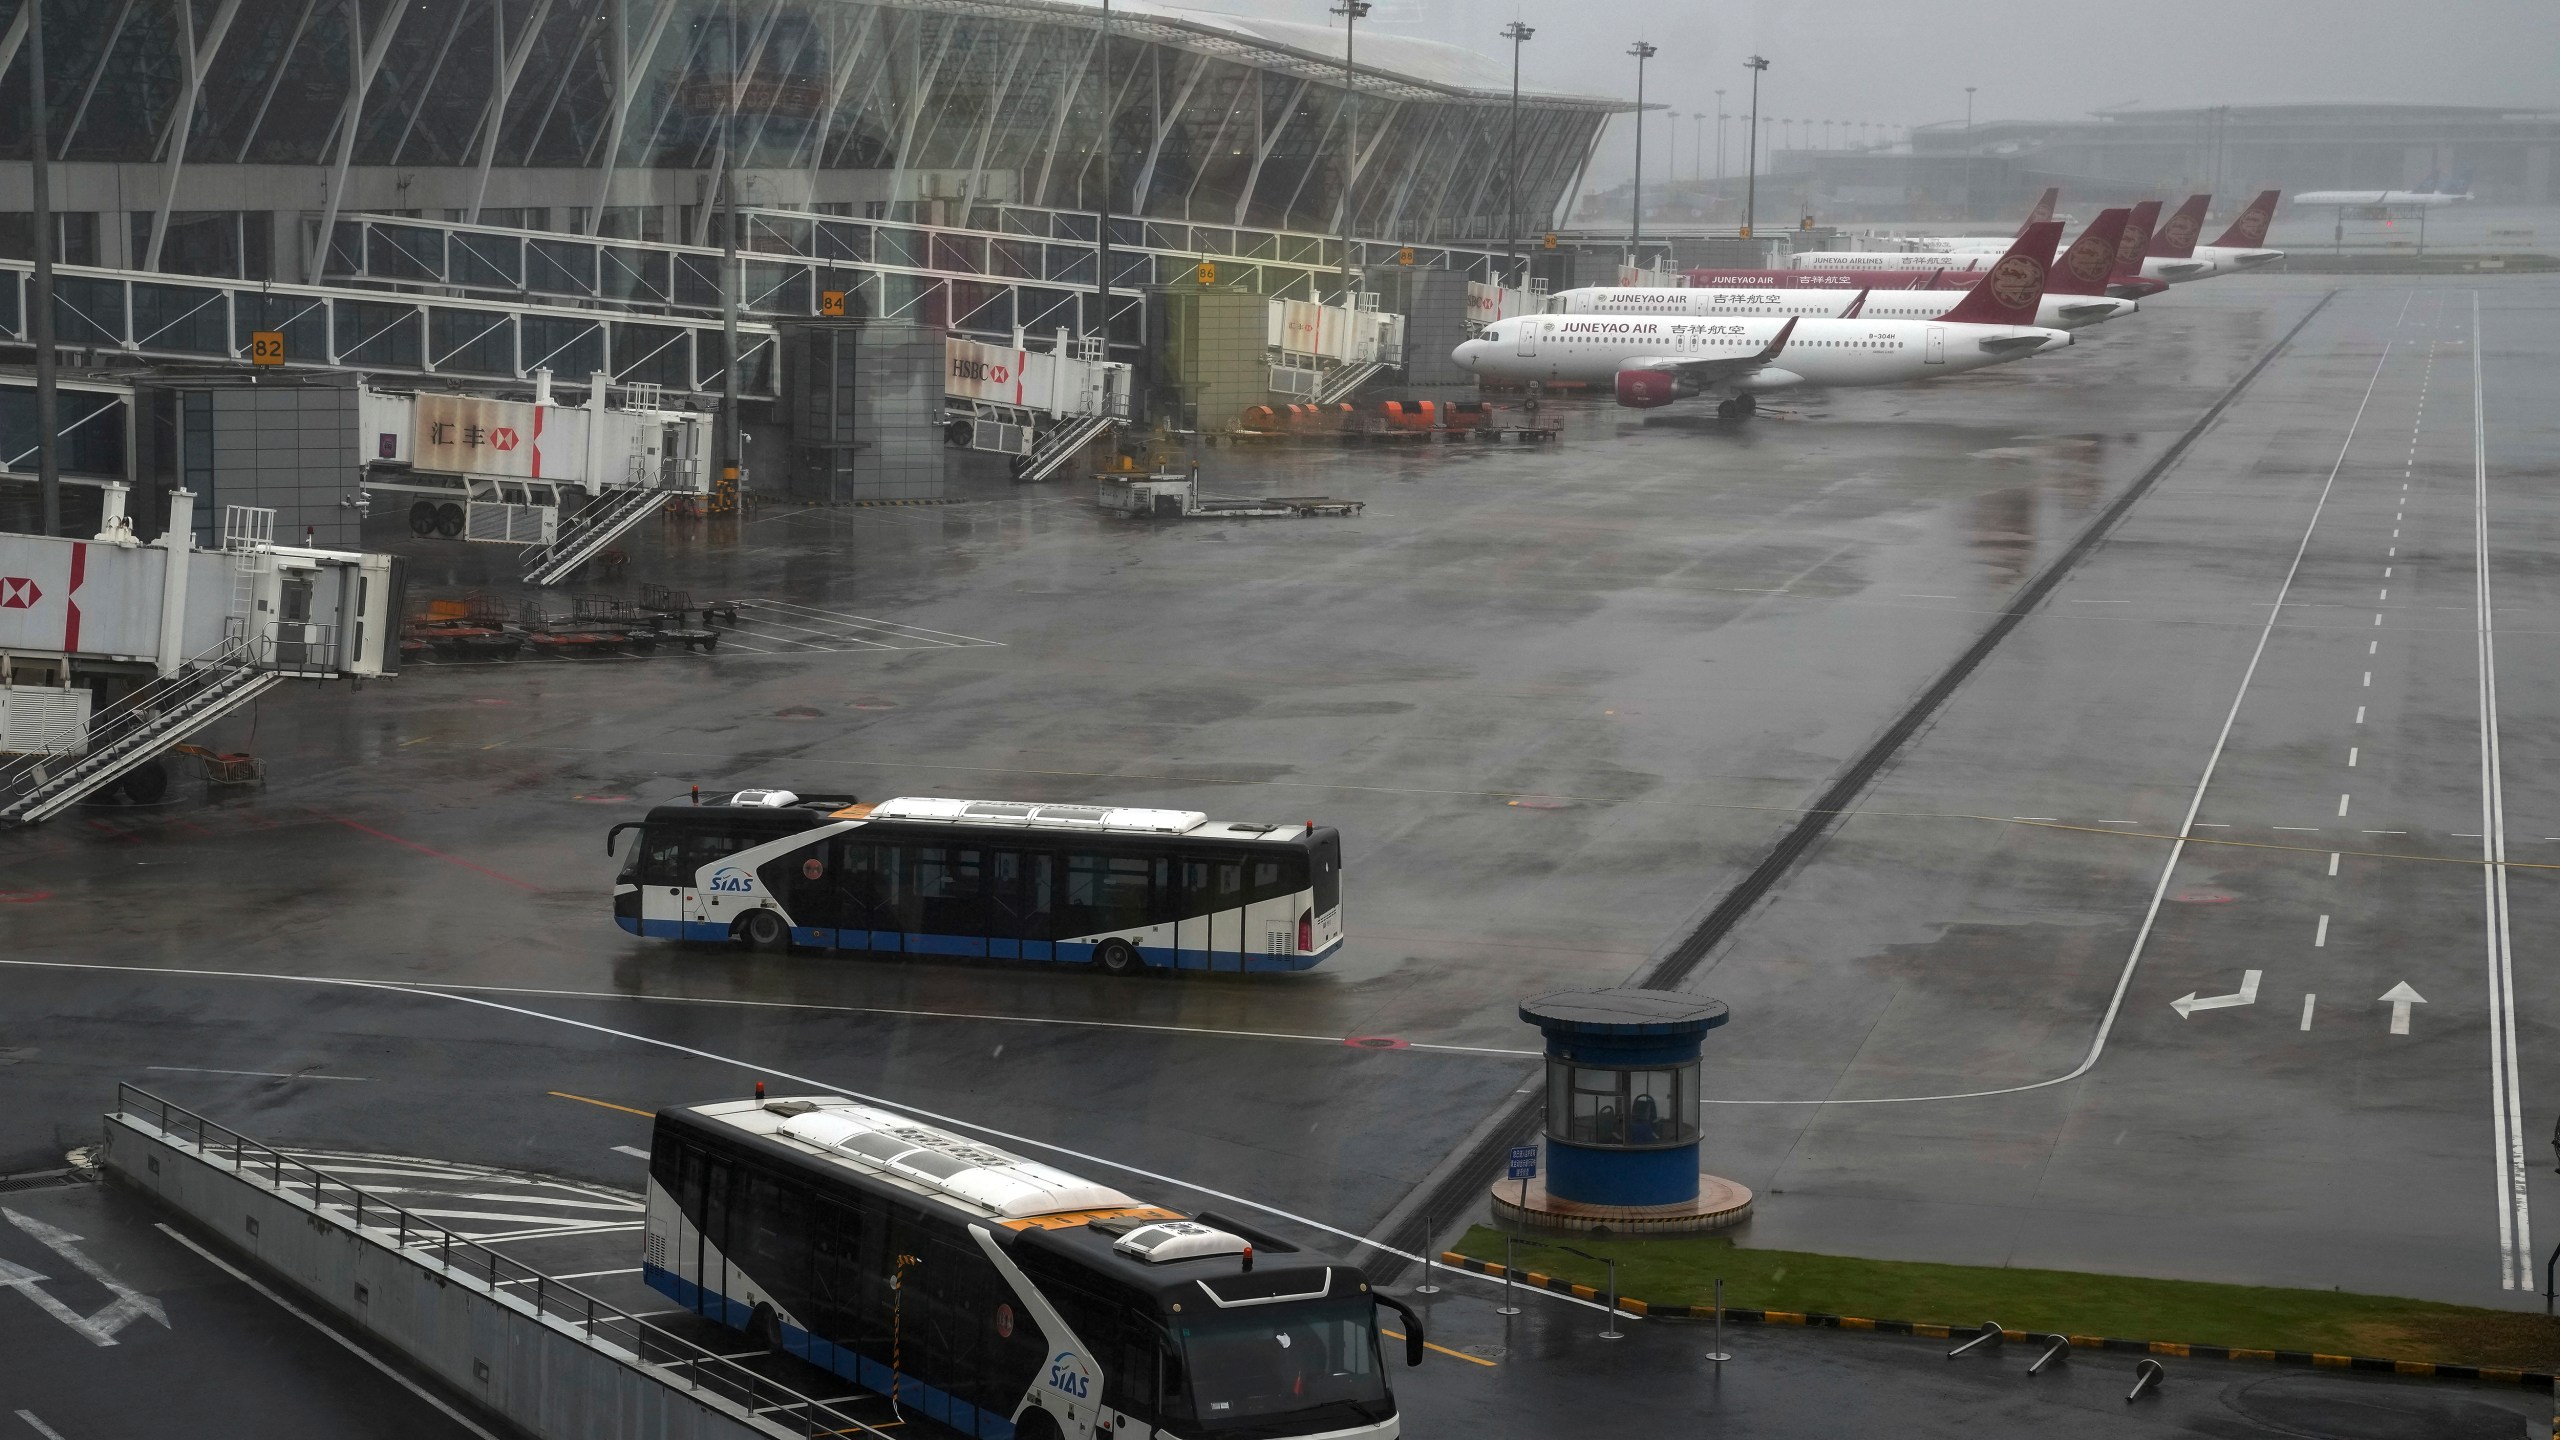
1001	1297
1122	889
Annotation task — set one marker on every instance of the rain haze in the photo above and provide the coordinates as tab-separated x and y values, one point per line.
1872	68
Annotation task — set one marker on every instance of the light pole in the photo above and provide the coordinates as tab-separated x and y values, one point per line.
1751	157
1635	232
1671	157
1102	226
1697	146
1351	12
732	280
1721	117
1518	34
40	299
1968	152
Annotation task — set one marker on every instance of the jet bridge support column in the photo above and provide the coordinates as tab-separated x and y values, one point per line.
176	542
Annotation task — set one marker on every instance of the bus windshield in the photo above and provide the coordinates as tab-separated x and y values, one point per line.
1265	1361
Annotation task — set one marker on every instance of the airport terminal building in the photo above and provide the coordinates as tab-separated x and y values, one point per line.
219	136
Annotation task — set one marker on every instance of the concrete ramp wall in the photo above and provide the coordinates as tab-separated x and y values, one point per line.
535	1353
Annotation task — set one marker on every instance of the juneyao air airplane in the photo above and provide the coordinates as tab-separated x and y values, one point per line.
2123	279
2172	254
2147	262
1655	361
2241	247
2084	266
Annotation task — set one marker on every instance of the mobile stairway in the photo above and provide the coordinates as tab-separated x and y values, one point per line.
596	525
141	727
1063	444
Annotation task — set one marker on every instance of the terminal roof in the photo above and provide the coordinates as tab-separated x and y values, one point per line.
1624	1012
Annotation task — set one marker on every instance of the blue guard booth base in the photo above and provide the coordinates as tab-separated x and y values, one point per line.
1622	1117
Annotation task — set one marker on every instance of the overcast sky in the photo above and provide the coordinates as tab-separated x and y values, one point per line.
1902	62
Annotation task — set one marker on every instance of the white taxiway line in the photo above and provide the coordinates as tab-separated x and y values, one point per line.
2515	1234
934	1117
39	1426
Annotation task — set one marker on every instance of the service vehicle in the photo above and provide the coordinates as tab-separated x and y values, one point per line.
999	1296
1121	888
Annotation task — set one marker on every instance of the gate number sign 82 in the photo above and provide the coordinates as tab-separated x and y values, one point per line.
266	347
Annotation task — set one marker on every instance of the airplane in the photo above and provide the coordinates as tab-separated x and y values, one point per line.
2172	253
2075	293
1951	272
2381	199
1656	361
2037	213
2243	245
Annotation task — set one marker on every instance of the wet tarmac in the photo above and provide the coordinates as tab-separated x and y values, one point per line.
1557	700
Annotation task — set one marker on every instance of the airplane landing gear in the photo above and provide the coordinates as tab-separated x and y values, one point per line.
1740	407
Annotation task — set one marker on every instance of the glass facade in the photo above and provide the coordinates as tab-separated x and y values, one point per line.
1622	1107
966	102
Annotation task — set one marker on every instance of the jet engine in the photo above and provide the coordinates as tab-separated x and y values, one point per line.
1651	389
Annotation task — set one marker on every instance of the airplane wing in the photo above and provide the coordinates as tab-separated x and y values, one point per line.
1703	373
2011	344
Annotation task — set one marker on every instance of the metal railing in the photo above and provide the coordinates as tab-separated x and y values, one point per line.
557	1303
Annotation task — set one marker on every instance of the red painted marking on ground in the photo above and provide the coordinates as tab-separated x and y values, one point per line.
438	854
24	897
1375	1042
1541	802
600	799
2203	897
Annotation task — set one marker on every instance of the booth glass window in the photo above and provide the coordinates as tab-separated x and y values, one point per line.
1634	1109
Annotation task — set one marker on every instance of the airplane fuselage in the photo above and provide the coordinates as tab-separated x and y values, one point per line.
2057	312
1592	349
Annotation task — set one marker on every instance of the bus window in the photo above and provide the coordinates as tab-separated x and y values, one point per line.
661	855
1019	894
1328	877
1106	892
948	880
871	876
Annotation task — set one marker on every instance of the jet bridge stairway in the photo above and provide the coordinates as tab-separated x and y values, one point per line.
144	724
1063	444
603	520
1342	384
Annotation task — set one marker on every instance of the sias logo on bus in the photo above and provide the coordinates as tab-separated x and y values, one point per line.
1069	1376
731	880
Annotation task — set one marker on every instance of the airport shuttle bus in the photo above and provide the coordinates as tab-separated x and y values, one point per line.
999	1296
1122	889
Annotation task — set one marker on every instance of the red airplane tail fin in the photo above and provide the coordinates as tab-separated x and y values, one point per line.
2176	237
2249	228
2043	210
2011	287
2083	269
2136	242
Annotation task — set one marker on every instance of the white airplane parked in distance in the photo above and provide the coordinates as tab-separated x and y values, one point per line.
2380	199
2086	263
1656	361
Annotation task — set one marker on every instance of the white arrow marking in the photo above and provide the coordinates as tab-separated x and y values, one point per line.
128	1306
2400	997
2247	994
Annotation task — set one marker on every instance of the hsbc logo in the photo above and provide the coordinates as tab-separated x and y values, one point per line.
19	593
503	438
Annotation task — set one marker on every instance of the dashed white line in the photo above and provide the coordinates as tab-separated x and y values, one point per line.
2351	757
634	1151
41	1428
2333	862
2307	1002
2320	937
2359	714
2342	804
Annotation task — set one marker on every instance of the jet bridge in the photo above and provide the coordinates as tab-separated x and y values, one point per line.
113	651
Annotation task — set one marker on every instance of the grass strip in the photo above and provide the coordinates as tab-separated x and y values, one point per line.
1682	1271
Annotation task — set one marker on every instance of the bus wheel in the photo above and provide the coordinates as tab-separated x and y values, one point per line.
765	1328
1117	957
762	930
1036	1425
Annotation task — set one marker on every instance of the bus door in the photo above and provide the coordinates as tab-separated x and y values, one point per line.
702	1196
1211	935
1021	890
663	879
